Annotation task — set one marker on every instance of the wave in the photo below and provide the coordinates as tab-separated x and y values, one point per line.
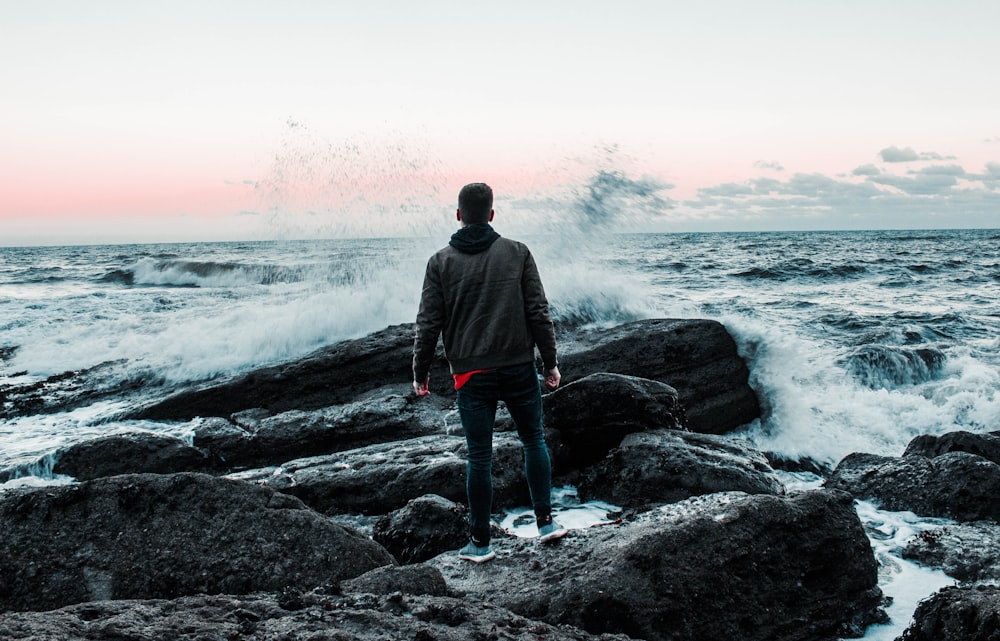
801	268
816	410
174	272
886	367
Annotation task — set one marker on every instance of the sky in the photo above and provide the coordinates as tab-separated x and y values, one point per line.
138	121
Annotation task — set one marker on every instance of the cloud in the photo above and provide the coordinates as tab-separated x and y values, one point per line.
993	139
940	170
866	170
773	166
937	196
907	154
921	185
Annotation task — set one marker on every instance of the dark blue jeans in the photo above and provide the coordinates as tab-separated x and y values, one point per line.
517	386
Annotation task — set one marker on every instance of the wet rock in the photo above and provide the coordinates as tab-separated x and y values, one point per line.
666	466
334	375
594	413
378	479
295	434
128	453
984	445
957	614
720	566
422	529
968	552
955	485
696	357
163	536
409	579
326	617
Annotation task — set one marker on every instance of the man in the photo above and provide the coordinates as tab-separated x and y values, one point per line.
484	295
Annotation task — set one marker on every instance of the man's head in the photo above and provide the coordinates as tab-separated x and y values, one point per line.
475	204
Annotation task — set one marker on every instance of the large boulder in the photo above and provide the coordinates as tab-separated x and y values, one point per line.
665	466
333	375
128	453
720	566
378	479
313	616
984	445
163	536
955	485
696	357
260	439
595	412
957	614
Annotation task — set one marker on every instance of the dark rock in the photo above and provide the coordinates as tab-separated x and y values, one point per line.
71	389
322	617
721	566
984	445
226	442
696	357
128	453
378	479
665	466
409	579
297	434
423	528
957	614
594	413
333	375
163	536
956	485
968	552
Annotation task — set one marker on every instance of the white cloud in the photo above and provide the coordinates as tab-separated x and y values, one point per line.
941	170
868	198
773	165
907	154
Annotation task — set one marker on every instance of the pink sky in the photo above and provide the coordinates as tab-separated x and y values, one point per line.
120	120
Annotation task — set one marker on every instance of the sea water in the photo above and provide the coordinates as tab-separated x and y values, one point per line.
856	341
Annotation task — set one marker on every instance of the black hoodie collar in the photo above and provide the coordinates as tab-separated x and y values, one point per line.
473	239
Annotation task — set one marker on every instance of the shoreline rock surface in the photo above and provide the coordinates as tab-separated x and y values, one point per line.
709	545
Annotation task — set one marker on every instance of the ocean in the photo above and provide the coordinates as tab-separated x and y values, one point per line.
856	340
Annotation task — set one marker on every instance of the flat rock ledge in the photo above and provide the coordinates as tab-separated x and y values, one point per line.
314	616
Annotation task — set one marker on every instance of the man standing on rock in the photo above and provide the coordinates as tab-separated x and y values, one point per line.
484	295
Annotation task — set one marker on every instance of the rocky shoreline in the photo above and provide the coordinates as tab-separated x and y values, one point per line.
245	532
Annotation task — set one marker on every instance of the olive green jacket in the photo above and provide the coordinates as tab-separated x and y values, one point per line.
487	303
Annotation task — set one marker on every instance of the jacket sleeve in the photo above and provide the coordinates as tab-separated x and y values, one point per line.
430	321
536	312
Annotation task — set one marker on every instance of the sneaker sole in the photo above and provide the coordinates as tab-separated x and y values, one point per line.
478	559
552	536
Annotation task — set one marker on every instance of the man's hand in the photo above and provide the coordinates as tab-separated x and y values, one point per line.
552	378
420	389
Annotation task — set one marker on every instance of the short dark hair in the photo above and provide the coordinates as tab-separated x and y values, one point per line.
475	202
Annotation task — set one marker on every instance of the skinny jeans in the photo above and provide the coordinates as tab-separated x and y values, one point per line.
518	387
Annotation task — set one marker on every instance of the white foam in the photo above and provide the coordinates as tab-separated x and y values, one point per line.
566	508
815	410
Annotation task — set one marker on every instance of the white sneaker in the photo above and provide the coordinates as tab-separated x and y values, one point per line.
551	531
476	553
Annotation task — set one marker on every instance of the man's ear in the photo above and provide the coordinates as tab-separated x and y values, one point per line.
458	215
491	216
